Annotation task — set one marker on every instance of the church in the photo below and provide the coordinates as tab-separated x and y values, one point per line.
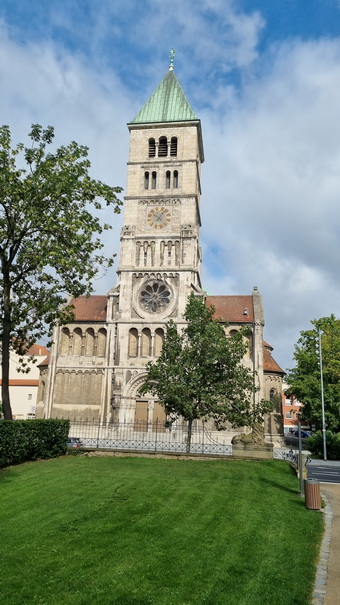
97	363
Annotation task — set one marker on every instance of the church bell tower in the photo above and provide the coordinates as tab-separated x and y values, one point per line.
160	253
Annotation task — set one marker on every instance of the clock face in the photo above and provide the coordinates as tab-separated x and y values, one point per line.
159	217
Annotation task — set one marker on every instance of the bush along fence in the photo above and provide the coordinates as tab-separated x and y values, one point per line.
149	437
24	440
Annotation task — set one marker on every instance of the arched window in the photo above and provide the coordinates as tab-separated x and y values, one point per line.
133	342
146	180
159	339
233	333
146	342
163	147
77	340
152	148
272	394
65	341
173	146
167	179
175	179
101	343
154	180
89	346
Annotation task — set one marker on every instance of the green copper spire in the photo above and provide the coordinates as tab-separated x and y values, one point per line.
167	103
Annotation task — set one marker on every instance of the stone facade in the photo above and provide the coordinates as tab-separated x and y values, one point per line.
98	363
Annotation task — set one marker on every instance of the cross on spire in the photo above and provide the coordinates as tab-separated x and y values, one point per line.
172	56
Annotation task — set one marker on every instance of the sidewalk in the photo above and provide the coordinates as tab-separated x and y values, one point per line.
332	587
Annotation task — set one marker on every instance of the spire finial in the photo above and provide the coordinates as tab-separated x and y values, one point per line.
172	56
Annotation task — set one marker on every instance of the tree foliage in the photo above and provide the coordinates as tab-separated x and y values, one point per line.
305	379
49	237
199	373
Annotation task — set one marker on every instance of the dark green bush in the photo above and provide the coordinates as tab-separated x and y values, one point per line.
24	440
315	445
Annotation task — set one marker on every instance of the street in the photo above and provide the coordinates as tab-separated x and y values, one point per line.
324	471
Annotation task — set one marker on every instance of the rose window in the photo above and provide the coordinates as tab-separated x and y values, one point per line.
154	296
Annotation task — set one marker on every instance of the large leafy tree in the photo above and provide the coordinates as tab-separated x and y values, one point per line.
200	374
49	237
305	379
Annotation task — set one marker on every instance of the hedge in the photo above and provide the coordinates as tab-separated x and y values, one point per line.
315	445
24	440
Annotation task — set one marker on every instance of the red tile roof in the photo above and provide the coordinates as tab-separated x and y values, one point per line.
269	363
22	382
232	308
89	308
44	362
37	350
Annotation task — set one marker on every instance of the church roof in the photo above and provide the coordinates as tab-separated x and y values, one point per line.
89	308
269	363
234	309
167	103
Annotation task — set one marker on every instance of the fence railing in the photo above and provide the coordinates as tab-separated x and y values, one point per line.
142	436
285	454
149	437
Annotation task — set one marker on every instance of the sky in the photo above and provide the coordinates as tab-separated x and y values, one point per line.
263	77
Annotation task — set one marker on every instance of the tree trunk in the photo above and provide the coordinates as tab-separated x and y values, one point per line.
190	421
6	340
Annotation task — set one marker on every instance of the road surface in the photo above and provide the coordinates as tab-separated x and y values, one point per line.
324	471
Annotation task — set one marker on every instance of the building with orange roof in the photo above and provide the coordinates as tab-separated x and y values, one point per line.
23	387
98	361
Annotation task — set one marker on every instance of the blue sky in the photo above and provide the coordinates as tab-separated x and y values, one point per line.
264	78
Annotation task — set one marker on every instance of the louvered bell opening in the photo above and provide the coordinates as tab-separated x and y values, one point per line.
152	148
146	180
173	147
163	147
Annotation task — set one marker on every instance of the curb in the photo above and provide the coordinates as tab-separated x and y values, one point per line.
319	592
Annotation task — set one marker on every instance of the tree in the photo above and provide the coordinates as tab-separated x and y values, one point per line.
49	238
305	379
199	373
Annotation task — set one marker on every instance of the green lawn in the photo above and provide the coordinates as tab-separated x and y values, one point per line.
136	531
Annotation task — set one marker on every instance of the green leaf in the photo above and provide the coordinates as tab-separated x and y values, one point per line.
49	236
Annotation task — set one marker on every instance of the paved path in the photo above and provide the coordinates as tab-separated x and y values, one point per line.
332	587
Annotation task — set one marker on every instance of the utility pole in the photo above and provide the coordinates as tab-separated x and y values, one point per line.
322	401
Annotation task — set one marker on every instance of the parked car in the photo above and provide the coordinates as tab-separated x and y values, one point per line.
74	442
304	434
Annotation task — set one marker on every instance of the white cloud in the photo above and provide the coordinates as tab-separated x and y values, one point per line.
272	185
42	83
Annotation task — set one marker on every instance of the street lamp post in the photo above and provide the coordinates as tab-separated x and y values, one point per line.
300	459
322	401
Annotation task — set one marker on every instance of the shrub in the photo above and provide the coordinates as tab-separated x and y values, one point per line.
315	445
24	440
